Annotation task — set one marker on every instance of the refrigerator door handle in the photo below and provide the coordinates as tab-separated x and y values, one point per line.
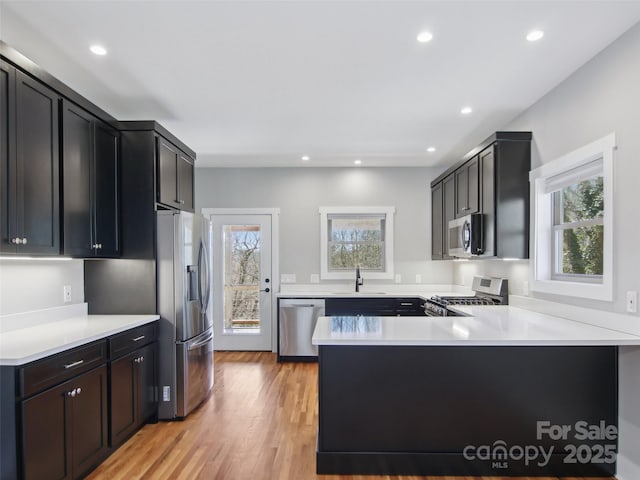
203	261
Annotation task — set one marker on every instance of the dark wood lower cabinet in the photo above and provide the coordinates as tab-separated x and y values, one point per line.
64	428
133	399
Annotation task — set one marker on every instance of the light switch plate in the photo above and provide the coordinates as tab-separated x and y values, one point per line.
418	278
632	301
398	278
66	292
315	278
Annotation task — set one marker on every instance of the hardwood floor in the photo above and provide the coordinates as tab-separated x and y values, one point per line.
259	423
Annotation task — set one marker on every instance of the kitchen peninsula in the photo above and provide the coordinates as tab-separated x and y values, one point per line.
503	391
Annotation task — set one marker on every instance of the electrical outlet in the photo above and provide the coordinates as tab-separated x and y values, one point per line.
66	293
166	393
288	278
315	278
632	301
398	278
418	278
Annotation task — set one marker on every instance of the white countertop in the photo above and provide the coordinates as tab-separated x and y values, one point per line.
487	326
19	346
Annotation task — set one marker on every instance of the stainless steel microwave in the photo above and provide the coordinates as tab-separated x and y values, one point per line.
464	236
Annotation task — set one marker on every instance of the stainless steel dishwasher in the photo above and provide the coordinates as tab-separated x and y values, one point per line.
297	319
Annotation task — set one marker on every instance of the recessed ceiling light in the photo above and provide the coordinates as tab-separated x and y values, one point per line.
98	49
535	35
466	110
424	37
431	149
305	158
357	162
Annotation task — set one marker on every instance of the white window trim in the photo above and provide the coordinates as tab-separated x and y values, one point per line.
389	212
540	274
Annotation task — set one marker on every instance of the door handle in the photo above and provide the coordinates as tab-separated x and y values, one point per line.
266	290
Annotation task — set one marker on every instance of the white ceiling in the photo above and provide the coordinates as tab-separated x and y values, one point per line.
261	83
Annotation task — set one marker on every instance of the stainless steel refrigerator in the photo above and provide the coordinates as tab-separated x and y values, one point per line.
186	333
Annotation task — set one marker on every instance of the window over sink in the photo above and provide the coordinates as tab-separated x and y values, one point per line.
356	236
572	224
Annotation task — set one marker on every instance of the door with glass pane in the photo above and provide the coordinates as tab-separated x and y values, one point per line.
242	282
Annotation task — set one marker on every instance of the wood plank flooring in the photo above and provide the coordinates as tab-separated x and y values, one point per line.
259	423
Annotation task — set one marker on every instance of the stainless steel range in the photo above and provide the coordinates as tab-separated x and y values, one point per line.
488	291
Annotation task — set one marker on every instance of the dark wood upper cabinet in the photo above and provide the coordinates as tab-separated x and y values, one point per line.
494	182
185	179
467	188
90	192
156	173
29	159
443	209
175	176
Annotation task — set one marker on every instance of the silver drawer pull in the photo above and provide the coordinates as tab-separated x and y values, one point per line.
74	364
406	304
137	339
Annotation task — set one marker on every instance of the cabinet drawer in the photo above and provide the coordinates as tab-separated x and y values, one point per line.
127	342
52	370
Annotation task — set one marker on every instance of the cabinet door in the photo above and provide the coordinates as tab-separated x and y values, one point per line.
148	383
473	186
185	177
461	191
89	428
105	187
37	168
123	398
167	156
7	158
77	147
449	210
437	216
45	426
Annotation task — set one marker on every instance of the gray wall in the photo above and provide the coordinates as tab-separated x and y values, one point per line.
298	192
601	97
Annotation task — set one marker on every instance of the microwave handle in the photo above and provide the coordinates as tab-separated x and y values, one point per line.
465	231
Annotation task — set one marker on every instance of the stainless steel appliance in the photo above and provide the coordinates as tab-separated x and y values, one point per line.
186	333
464	236
487	291
297	320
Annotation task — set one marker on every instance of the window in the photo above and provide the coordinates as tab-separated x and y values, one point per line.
572	223
356	236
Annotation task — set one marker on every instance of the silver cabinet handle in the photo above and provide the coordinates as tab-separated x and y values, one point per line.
79	390
73	364
72	393
142	359
406	304
137	339
17	241
100	246
24	240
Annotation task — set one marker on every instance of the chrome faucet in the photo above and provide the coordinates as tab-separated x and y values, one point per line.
359	279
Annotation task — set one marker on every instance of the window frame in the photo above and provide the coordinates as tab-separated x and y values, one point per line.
387	272
542	276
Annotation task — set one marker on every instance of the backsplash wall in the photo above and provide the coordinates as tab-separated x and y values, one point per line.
27	285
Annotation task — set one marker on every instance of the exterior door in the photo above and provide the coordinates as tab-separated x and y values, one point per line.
242	283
